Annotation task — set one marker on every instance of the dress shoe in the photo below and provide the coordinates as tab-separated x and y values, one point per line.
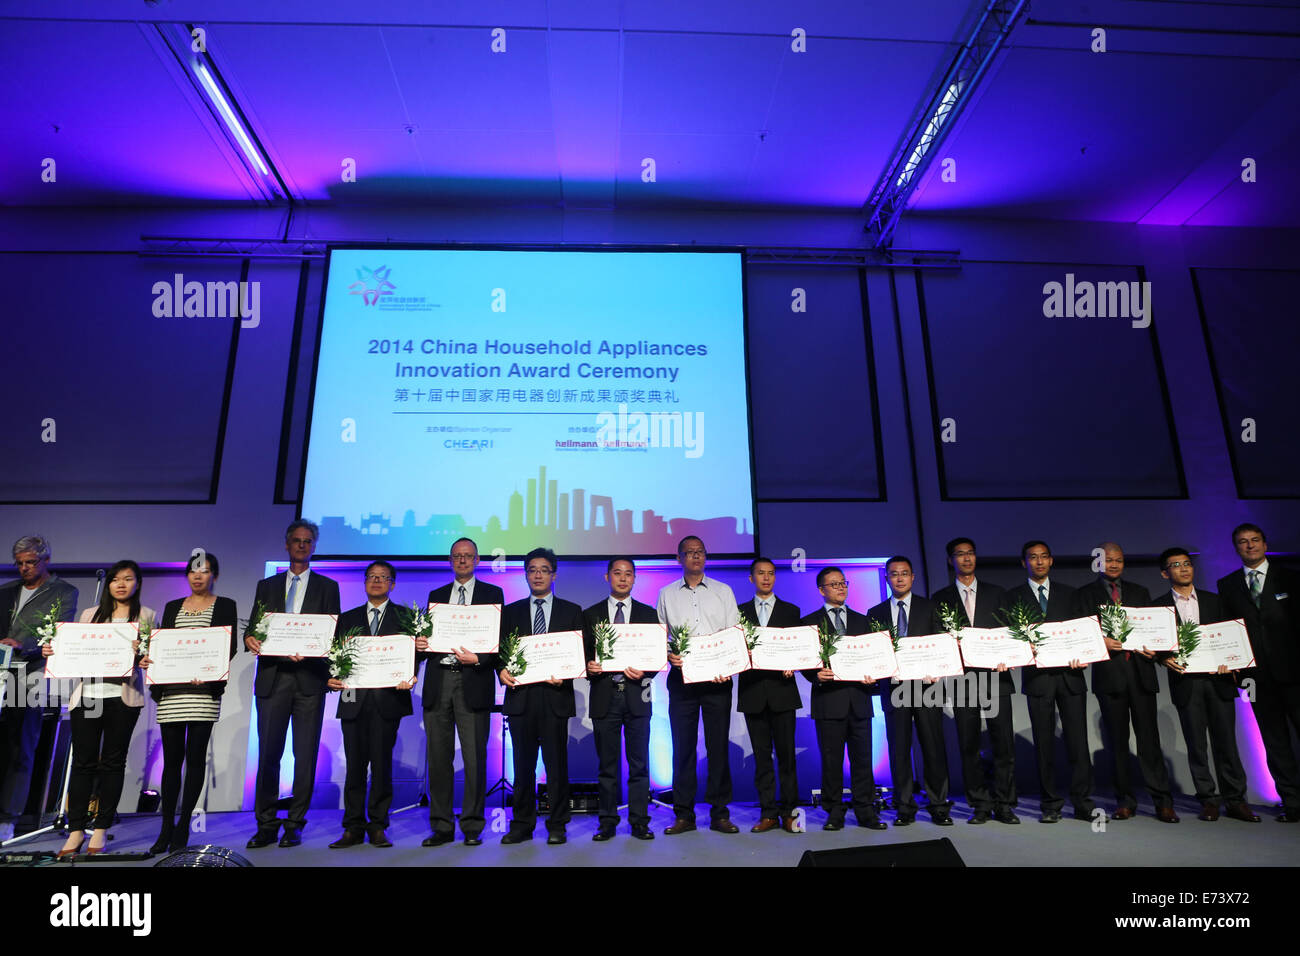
516	836
378	837
1289	816
350	837
681	825
1209	812
473	839
1050	816
787	824
180	840
873	823
292	836
163	842
1240	811
980	816
765	824
904	819
262	838
1167	815
1086	815
438	839
724	826
642	831
1006	815
833	824
603	834
556	838
1123	813
941	818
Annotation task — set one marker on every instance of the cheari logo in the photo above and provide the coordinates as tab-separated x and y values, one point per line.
371	284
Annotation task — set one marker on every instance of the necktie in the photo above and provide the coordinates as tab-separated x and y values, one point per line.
970	607
461	599
539	619
374	620
1114	592
902	619
618	614
839	619
1255	587
1042	598
763	611
293	592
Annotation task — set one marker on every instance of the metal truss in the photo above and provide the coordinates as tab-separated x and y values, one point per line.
908	164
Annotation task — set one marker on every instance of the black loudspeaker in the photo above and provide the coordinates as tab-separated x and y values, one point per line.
921	853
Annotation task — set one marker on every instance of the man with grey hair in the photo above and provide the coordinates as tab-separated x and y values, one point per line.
25	604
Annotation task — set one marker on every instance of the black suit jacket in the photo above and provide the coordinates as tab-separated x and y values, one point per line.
1061	606
758	690
393	704
602	685
224	614
322	597
836	700
989	599
565	616
1108	676
1181	685
1274	626
480	690
921	619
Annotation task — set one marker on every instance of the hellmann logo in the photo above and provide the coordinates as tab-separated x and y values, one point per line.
78	909
1102	300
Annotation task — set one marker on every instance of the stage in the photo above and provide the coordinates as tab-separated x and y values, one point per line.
1140	842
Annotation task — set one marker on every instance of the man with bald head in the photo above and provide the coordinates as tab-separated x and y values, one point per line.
1126	686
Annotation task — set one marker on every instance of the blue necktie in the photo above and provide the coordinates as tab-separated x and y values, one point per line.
618	614
902	619
839	619
462	595
1255	587
539	619
1042	599
293	591
374	620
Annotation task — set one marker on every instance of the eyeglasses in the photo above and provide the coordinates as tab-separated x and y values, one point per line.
694	553
27	564
1178	564
463	557
379	577
836	584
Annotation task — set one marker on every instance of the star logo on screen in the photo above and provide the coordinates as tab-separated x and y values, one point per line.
371	284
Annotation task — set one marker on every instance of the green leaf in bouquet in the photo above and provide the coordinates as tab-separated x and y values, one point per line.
605	639
343	653
1115	623
679	639
874	626
1022	622
828	641
950	619
1189	638
511	652
751	633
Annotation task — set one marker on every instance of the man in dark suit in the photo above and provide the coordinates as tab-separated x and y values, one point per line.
1205	702
841	712
977	603
1052	690
907	704
458	694
289	689
1265	597
1126	685
620	708
370	716
27	600
769	699
539	713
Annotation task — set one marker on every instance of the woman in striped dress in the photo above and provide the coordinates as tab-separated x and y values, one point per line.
186	712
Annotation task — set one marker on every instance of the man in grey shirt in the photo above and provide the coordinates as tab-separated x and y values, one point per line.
705	606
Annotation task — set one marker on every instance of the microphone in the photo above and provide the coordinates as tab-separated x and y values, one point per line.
99	583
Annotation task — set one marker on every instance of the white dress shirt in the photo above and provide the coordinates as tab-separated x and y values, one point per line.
707	608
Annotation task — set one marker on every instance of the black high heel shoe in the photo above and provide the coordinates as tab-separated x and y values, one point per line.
164	841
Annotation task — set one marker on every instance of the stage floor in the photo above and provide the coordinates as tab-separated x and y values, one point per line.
1139	842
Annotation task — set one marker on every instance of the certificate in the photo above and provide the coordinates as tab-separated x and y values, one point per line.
787	649
178	655
476	627
309	635
1155	628
988	647
643	647
715	655
383	660
928	655
1223	643
92	650
1065	641
557	654
864	656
